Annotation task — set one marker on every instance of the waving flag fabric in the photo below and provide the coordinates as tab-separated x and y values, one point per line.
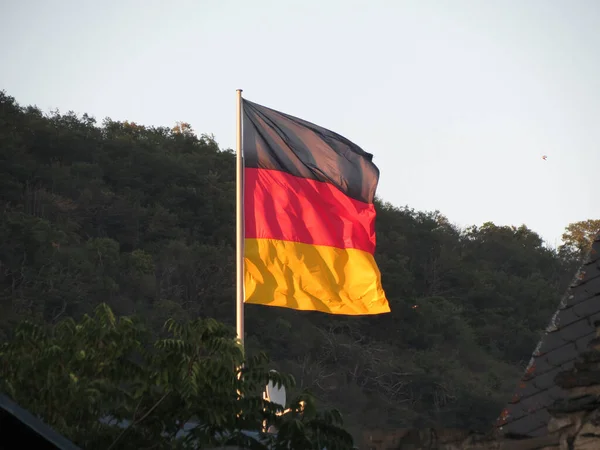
309	217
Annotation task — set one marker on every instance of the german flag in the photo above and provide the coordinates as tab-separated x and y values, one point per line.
309	217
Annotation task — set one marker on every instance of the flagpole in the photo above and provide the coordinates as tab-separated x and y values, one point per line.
239	225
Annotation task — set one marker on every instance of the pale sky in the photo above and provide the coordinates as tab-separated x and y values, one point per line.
457	100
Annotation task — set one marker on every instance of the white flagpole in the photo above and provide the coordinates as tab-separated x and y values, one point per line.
239	225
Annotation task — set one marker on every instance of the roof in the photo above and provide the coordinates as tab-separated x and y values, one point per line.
19	425
568	334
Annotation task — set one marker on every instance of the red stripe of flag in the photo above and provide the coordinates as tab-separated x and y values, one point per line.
290	208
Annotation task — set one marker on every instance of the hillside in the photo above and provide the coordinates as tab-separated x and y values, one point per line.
143	219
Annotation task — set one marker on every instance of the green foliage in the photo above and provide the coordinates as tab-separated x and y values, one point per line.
578	237
142	218
103	384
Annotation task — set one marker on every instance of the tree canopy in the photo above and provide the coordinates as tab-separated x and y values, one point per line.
578	236
101	382
142	219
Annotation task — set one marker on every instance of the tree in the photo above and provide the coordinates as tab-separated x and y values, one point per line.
104	385
183	128
579	236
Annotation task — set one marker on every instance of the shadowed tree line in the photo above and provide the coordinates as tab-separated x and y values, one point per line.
141	220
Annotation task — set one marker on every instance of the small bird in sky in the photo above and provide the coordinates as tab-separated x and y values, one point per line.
544	157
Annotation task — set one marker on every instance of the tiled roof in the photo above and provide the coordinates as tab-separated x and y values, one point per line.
568	334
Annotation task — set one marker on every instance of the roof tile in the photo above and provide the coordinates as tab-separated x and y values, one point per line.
569	335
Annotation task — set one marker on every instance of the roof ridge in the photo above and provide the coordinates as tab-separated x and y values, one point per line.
534	395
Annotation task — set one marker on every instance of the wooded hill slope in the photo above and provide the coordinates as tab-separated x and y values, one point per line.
143	218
